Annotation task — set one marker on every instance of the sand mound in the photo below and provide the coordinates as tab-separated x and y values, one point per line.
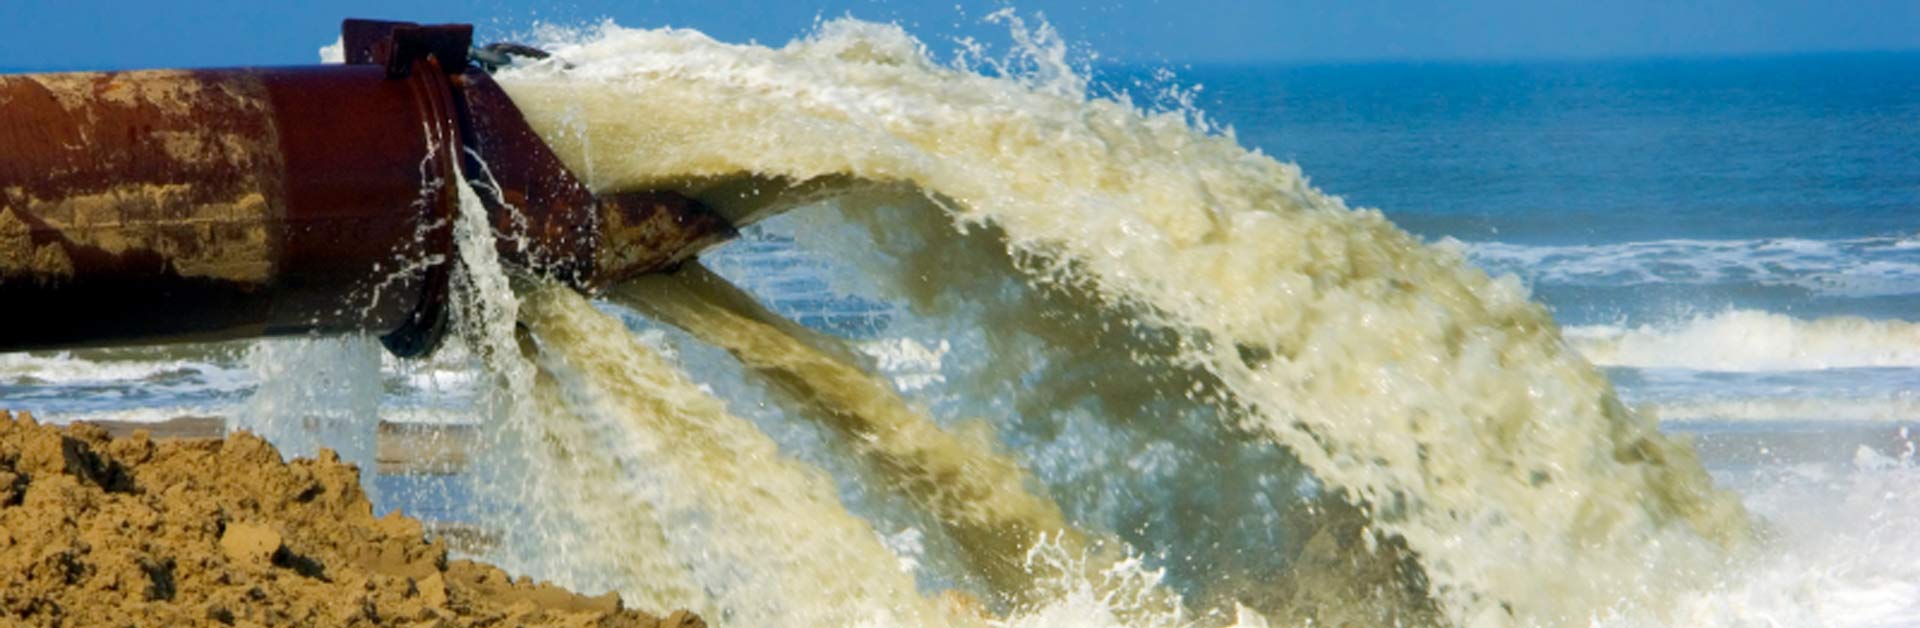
131	531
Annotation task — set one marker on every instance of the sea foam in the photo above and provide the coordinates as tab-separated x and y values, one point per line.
1858	267
1750	340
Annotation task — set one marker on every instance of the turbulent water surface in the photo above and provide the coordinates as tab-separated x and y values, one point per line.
1009	349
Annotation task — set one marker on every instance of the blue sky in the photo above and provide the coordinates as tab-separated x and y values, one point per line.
82	34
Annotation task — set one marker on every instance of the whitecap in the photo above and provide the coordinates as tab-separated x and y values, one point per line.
1752	340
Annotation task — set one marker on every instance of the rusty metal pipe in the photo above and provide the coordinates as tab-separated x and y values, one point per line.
162	206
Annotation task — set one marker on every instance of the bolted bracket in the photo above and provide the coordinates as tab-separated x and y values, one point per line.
398	45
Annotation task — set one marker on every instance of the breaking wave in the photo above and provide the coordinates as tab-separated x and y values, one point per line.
1887	409
1861	267
1749	340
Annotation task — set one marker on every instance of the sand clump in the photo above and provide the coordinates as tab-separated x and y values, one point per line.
99	531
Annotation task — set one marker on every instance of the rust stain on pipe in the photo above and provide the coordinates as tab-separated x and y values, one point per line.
650	231
224	204
551	222
194	159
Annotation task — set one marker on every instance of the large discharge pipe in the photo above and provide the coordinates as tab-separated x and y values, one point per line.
191	205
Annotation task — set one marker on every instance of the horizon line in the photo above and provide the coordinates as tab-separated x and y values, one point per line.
1524	58
1332	61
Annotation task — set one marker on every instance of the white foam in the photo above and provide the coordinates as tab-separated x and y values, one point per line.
65	370
130	415
910	364
1854	267
1842	553
1899	407
335	52
1751	340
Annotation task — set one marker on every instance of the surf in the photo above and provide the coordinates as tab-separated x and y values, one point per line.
1753	340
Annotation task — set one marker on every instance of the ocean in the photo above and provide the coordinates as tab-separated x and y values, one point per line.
1749	227
1734	242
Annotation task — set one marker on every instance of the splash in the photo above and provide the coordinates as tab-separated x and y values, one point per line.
1439	400
781	548
314	393
1816	573
546	484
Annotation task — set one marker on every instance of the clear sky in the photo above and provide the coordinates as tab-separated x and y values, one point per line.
81	34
